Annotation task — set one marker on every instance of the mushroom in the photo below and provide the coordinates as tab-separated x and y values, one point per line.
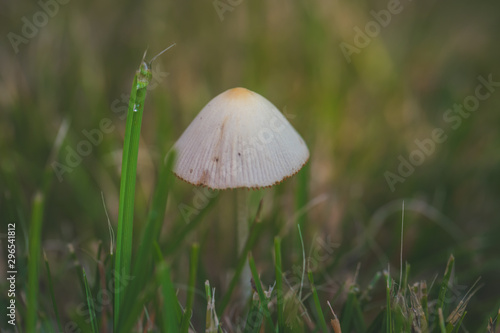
239	140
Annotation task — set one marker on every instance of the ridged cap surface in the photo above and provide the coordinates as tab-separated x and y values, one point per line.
239	139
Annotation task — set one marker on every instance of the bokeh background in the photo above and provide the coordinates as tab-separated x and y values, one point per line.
358	116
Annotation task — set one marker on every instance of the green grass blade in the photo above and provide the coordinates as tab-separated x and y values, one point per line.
125	226
51	290
388	319
317	304
127	184
264	303
186	320
171	323
399	320
208	318
441	320
446	280
424	300
352	314
90	304
404	285
34	262
279	284
193	267
143	264
456	329
365	296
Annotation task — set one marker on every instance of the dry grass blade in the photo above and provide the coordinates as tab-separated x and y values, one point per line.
458	312
335	321
419	320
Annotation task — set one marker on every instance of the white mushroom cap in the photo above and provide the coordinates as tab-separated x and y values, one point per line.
239	139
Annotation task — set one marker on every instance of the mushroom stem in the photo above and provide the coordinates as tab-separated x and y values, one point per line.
242	198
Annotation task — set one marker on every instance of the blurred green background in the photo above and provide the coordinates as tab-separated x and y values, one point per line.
358	116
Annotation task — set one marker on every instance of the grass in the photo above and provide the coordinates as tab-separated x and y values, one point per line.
357	119
52	295
127	185
90	304
279	284
34	262
148	304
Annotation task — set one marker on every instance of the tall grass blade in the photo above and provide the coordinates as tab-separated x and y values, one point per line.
127	185
171	322
127	192
143	263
